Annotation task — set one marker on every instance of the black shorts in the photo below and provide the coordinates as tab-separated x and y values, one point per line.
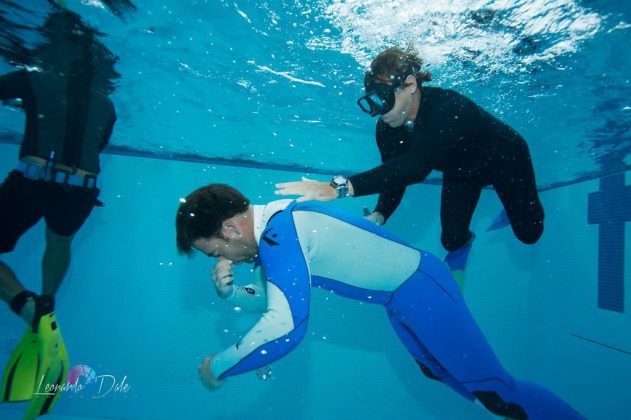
24	201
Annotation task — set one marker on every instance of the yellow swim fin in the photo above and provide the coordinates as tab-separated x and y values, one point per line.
18	380
53	366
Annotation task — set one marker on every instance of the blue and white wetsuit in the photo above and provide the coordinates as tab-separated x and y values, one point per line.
307	244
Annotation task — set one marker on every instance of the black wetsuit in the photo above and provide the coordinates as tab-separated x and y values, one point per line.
67	115
63	114
472	149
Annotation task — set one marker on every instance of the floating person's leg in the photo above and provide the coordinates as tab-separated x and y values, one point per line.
436	316
425	361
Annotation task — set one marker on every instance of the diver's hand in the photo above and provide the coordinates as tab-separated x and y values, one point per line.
309	189
206	375
375	217
223	278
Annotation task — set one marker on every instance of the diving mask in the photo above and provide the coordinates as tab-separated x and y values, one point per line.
379	97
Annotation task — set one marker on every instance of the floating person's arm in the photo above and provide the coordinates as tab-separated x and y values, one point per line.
283	326
271	338
251	297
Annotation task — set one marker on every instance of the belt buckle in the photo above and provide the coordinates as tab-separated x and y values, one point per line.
89	181
61	180
33	170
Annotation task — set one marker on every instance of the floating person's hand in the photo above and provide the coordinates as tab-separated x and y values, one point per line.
375	217
223	277
206	375
308	189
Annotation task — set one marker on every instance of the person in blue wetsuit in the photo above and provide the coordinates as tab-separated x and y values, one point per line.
300	245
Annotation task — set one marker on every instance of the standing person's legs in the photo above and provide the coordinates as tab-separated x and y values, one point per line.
67	209
22	203
432	311
55	262
459	198
516	187
20	300
20	209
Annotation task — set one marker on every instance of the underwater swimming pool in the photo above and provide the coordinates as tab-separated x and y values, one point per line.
255	93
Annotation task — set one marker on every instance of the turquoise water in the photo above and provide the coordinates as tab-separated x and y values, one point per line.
254	93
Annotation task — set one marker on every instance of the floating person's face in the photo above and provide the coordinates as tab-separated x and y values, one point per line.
234	247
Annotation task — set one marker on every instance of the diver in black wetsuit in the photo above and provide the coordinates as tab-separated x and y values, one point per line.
69	120
423	129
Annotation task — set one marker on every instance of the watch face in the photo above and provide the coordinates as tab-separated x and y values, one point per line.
339	180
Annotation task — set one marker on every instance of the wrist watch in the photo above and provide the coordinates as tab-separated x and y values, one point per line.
340	183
